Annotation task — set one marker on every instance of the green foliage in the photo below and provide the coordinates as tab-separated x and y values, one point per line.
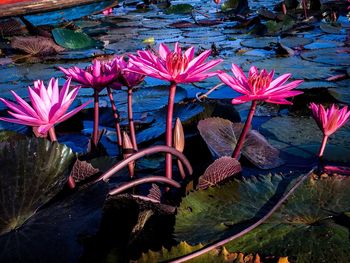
179	9
32	171
312	225
72	39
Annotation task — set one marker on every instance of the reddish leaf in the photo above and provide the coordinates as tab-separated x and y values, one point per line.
218	171
36	46
82	170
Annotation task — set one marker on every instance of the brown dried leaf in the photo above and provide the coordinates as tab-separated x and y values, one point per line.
218	171
11	27
36	46
82	170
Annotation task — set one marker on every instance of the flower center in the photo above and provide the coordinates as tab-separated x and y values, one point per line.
259	82
176	63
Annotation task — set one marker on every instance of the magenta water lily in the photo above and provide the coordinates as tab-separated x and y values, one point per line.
176	67
258	86
48	106
329	120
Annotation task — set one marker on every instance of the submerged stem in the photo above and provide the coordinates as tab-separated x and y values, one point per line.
207	248
142	153
245	130
95	134
131	120
148	179
116	117
168	130
52	134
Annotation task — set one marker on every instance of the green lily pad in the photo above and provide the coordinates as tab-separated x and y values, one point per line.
307	228
72	39
32	172
341	94
331	28
179	9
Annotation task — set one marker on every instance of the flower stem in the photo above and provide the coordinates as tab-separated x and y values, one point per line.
116	117
323	146
155	149
169	130
219	243
131	120
245	130
52	134
95	134
148	179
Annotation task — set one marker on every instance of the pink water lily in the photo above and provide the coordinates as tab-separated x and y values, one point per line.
48	106
176	67
329	120
260	86
97	76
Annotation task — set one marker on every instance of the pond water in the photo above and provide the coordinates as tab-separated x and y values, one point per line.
317	52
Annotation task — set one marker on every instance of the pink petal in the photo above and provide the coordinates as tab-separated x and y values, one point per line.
163	51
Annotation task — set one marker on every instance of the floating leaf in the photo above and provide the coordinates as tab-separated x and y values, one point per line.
32	172
220	136
308	227
54	233
331	28
36	46
179	9
339	56
225	209
301	137
218	171
72	39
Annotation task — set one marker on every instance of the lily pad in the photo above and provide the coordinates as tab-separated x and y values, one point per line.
300	69
260	42
72	39
54	233
179	9
220	136
32	172
307	228
302	137
342	94
331	56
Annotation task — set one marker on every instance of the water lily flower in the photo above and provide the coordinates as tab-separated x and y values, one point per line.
97	76
48	106
329	120
259	86
176	67
130	80
107	11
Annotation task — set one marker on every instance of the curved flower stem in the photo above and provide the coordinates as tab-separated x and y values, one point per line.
245	130
52	134
116	117
95	134
131	120
148	179
207	248
142	153
168	130
323	146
